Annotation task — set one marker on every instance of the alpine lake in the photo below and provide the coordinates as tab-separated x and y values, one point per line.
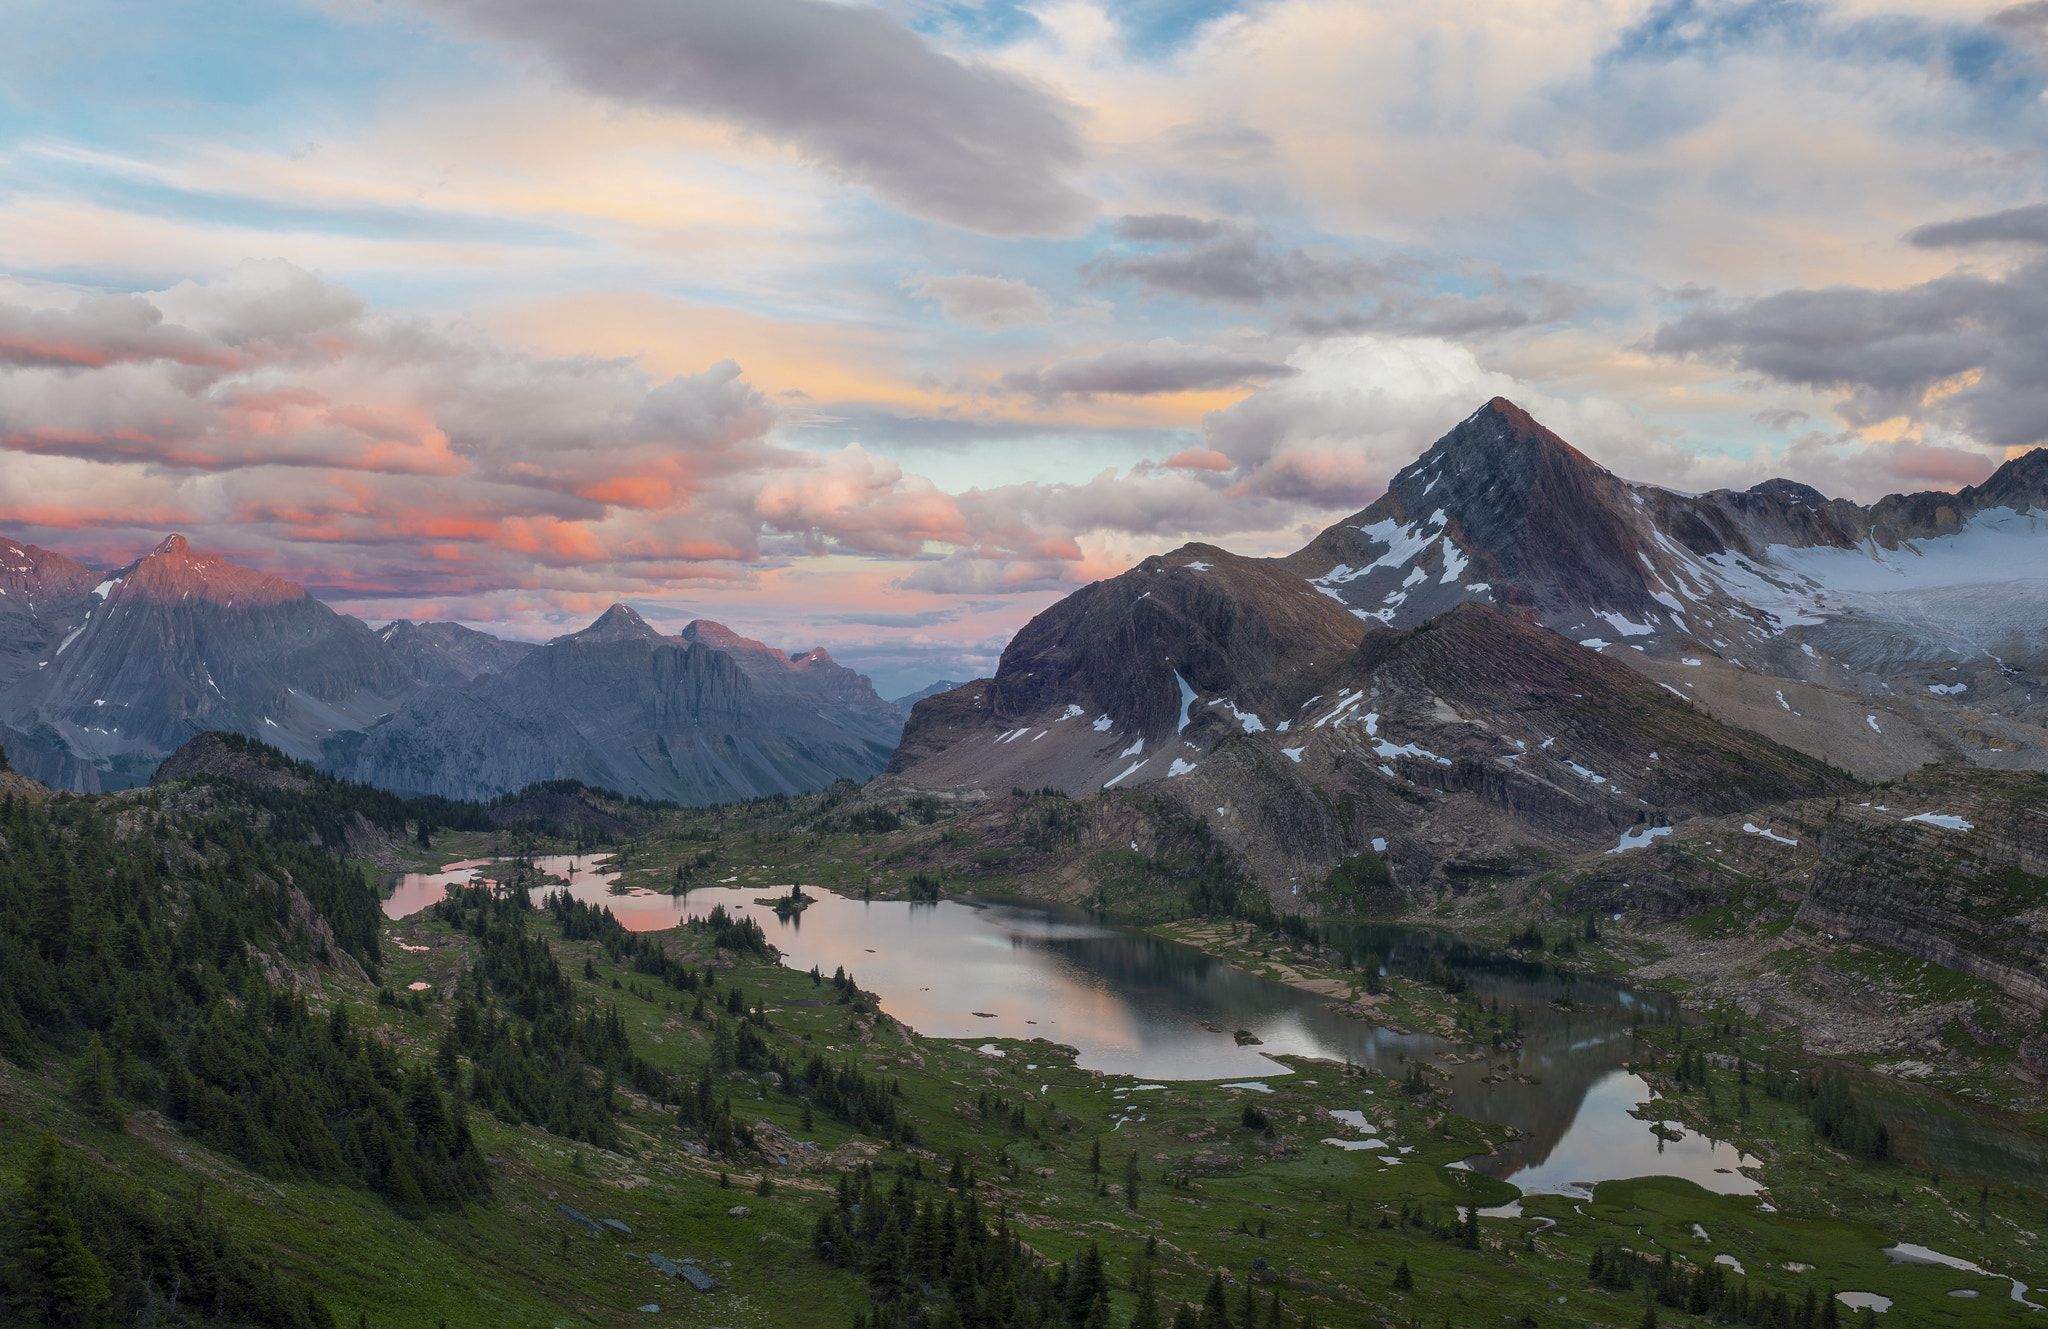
1029	983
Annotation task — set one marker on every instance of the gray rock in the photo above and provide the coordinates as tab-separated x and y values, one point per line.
616	1226
739	1211
698	1279
586	1222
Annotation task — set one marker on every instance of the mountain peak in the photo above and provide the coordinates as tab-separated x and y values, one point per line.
618	623
1790	491
174	572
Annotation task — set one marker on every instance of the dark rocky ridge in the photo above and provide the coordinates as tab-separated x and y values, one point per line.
448	654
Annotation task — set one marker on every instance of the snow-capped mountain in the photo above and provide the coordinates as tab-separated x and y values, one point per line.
1598	625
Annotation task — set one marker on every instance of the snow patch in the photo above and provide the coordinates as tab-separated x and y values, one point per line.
1596	643
1126	771
1944	820
1768	835
1947	689
1626	627
1102	723
1639	836
1582	773
1293	754
1187	699
1379	845
1179	767
1135	748
1871	720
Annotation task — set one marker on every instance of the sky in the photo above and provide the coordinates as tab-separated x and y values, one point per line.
882	327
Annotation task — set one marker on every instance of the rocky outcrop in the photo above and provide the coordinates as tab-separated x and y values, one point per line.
1972	900
230	757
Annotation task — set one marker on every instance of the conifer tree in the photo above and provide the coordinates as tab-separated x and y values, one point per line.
50	1274
93	1082
1404	1281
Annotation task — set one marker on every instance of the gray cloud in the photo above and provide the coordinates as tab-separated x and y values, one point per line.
988	303
1158	366
1984	336
2027	22
2025	225
1223	263
1328	292
848	86
1517	303
1780	418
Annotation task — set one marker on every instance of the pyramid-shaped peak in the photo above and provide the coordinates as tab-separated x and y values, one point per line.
1499	452
618	623
174	571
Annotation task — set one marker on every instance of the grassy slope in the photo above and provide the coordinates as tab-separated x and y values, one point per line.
515	1261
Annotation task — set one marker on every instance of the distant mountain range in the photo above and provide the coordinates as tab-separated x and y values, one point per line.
104	674
1515	647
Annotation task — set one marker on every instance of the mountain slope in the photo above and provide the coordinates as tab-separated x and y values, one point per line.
447	654
621	706
1916	599
177	643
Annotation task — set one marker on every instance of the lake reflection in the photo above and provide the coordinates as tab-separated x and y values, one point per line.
1135	1004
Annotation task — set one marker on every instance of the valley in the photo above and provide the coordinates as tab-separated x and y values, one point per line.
1261	945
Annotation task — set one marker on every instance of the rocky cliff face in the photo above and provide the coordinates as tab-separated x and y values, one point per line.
448	654
179	642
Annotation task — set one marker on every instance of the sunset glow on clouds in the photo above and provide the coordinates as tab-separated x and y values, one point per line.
882	326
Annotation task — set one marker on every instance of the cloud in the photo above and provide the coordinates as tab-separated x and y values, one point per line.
375	454
989	304
2024	225
1327	291
1155	367
1357	409
1225	263
847	86
1961	352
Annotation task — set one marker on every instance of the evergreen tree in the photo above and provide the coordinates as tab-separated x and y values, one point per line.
50	1273
1215	1313
1086	1286
94	1084
1146	1316
1403	1280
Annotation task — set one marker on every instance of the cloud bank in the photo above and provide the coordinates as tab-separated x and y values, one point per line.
847	86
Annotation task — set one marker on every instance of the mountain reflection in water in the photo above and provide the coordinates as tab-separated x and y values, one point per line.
1134	1004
